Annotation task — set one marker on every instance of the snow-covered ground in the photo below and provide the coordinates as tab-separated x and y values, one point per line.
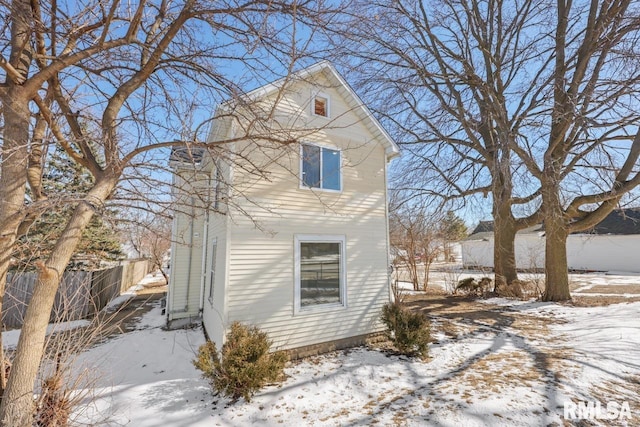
500	362
506	364
446	277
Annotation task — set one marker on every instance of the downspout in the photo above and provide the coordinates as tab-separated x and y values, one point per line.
386	224
205	248
190	263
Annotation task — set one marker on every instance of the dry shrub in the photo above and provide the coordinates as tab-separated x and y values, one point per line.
65	385
408	331
510	290
470	286
244	365
55	402
530	288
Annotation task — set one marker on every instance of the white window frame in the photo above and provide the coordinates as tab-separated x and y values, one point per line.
319	238
322	147
327	98
218	183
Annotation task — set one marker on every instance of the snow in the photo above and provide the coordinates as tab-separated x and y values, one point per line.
145	377
10	338
122	298
605	342
487	374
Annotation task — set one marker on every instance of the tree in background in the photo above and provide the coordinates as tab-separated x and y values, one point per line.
443	77
416	241
150	237
533	102
586	150
452	229
67	182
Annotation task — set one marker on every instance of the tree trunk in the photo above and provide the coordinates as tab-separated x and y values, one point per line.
504	224
504	232
15	140
13	180
427	269
556	232
16	409
504	253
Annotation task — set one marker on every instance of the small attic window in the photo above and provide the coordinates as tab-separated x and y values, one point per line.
320	105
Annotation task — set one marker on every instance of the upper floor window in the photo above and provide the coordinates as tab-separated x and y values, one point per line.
320	105
321	167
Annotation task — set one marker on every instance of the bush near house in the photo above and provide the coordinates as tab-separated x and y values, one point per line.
408	331
244	365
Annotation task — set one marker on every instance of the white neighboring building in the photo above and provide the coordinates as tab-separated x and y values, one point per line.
612	245
303	254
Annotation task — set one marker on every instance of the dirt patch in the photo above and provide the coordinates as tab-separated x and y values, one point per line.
124	318
451	310
531	356
599	300
613	289
619	391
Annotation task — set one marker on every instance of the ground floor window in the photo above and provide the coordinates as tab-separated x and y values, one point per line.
320	271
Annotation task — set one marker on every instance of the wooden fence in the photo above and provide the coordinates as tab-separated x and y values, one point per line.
81	293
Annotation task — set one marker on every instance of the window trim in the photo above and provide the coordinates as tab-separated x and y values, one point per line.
318	94
322	147
218	186
319	238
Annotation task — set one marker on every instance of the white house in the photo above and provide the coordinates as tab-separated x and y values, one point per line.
295	236
611	245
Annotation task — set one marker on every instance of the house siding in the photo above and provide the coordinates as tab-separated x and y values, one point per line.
188	234
260	289
214	315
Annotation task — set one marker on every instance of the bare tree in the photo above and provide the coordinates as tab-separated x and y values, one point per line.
591	125
534	102
110	82
445	76
150	237
416	239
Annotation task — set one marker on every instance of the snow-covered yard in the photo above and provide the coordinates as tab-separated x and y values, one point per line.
492	362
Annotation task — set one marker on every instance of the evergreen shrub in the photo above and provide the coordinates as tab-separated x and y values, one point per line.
408	331
244	365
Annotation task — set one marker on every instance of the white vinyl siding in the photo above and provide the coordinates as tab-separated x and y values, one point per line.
191	187
214	313
258	269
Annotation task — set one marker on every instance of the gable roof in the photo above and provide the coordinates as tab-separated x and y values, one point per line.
618	222
349	95
484	230
181	154
483	227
